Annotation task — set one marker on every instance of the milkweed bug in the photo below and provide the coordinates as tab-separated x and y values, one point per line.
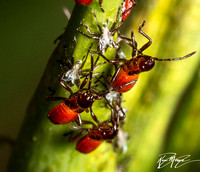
127	7
105	35
87	2
78	102
105	131
127	74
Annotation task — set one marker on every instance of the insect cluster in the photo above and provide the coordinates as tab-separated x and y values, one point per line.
124	78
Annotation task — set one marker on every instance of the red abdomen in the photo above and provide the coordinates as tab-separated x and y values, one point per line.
84	2
125	8
62	114
123	78
87	145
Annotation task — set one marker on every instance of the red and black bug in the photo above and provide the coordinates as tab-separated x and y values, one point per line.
105	131
87	2
127	6
127	74
71	107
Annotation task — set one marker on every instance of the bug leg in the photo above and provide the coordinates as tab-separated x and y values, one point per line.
95	63
108	60
99	80
86	71
94	116
134	45
78	120
114	116
99	65
95	17
74	138
100	4
81	128
91	33
115	28
83	83
145	46
65	86
91	37
95	66
123	115
115	121
90	75
91	72
89	122
85	57
125	38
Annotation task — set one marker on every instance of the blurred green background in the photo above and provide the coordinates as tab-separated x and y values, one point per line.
28	29
163	108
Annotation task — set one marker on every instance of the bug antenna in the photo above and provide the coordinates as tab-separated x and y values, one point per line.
172	59
142	25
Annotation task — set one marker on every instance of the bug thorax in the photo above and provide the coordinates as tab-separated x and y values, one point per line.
139	64
85	99
132	66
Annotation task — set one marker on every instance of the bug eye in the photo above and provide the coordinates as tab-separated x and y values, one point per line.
147	65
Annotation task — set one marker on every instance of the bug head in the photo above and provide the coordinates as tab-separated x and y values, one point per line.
146	63
109	134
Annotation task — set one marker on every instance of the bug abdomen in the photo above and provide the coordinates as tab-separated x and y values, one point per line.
87	145
122	79
62	114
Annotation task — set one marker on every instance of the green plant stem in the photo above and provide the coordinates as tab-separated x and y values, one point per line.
41	145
